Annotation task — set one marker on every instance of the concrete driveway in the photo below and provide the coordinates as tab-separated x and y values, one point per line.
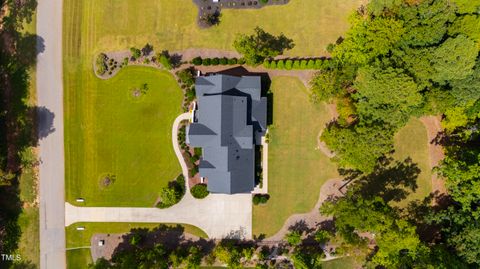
51	169
218	215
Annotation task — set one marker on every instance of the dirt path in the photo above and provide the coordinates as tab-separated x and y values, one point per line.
435	151
313	218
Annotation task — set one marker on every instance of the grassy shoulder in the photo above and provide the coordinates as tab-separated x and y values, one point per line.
110	132
166	24
79	257
296	169
412	142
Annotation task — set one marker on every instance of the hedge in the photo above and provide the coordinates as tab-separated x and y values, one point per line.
216	61
317	63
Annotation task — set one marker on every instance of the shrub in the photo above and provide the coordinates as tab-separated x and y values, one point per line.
296	64
215	61
223	61
100	64
125	61
288	64
241	61
263	1
303	64
273	65
173	193
260	199
311	64
164	59
280	64
136	53
330	47
232	61
197	60
199	191
206	61
266	63
193	171
318	64
186	76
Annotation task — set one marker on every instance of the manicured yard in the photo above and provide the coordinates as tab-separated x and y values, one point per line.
171	25
108	132
297	169
340	263
411	141
80	258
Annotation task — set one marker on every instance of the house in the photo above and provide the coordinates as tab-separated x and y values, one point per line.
229	122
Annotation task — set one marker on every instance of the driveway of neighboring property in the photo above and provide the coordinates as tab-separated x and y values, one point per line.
51	170
218	215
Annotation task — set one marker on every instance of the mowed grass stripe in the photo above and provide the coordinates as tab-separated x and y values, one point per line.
296	169
171	25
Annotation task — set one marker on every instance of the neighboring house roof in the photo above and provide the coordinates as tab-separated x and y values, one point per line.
230	120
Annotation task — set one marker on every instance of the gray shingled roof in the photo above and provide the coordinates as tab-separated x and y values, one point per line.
229	122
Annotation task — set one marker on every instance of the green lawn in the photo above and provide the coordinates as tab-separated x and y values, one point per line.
296	170
107	132
340	263
412	141
167	24
79	258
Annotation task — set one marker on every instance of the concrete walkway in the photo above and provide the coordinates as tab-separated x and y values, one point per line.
51	170
218	215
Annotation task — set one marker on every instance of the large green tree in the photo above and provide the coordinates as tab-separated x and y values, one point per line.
385	95
261	45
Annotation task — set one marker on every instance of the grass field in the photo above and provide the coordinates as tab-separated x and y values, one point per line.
296	170
412	141
171	25
341	263
107	132
80	258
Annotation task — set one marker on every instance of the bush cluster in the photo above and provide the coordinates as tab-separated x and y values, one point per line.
173	193
216	61
290	64
190	159
199	191
260	199
101	64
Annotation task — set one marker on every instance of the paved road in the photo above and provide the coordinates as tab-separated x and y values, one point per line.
219	215
50	96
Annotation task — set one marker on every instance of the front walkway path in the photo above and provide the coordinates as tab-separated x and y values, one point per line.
218	215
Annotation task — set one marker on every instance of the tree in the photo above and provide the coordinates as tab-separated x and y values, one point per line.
136	53
385	95
199	191
467	6
197	60
261	45
165	60
369	38
467	25
294	238
358	147
426	22
454	66
211	19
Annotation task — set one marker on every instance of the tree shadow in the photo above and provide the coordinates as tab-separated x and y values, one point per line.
45	122
392	180
301	227
170	237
